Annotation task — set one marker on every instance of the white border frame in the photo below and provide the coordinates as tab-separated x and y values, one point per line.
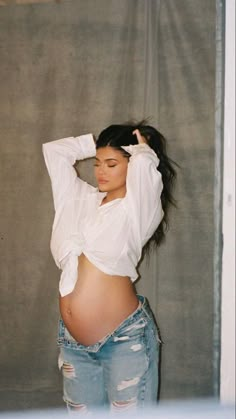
227	365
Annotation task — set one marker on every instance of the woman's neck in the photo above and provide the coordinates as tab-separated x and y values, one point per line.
110	196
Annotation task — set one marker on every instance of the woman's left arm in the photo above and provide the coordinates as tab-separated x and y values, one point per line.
144	187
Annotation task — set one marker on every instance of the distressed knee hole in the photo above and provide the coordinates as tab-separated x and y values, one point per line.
68	370
128	383
75	407
123	405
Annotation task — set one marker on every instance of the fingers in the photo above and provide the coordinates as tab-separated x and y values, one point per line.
141	139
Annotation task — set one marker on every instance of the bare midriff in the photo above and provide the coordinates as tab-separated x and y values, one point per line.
98	304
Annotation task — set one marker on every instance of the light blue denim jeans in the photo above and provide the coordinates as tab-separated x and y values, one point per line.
119	372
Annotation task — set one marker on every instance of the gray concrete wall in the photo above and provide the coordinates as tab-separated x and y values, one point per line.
72	67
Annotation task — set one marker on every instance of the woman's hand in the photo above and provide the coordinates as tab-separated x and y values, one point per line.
141	139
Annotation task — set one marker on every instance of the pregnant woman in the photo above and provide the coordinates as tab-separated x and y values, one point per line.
108	338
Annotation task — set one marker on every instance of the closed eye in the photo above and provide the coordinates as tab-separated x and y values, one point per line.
109	165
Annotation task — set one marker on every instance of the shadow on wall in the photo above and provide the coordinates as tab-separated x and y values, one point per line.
206	409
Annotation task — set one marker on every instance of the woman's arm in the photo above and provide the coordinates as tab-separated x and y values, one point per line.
60	156
144	187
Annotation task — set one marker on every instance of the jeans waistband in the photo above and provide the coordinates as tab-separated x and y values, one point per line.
64	337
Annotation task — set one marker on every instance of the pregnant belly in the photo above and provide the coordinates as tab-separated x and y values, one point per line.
97	305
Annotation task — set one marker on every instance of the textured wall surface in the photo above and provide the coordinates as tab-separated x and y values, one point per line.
73	67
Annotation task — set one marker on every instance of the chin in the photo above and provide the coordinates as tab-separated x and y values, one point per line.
102	188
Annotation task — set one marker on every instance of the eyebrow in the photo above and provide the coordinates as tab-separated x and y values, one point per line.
106	159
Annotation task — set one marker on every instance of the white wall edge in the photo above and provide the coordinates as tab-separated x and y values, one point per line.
227	366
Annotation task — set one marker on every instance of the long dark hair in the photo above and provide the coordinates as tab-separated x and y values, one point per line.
122	135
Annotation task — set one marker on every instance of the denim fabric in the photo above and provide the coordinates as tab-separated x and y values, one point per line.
121	370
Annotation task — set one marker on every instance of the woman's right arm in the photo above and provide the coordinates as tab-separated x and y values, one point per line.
60	156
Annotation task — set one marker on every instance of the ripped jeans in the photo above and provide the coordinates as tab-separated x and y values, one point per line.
120	371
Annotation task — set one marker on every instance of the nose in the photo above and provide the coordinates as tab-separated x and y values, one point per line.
101	168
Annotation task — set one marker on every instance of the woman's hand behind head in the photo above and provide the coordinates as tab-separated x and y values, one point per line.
141	139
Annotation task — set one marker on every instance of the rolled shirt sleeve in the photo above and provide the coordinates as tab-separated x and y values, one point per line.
60	156
144	187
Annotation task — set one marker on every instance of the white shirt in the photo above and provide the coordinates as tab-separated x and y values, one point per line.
111	235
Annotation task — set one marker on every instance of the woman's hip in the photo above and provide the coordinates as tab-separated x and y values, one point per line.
140	324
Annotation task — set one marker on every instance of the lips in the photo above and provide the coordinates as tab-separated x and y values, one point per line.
102	181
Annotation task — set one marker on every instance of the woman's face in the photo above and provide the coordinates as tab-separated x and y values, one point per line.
111	171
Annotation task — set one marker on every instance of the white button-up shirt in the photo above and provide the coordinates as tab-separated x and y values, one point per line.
111	235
